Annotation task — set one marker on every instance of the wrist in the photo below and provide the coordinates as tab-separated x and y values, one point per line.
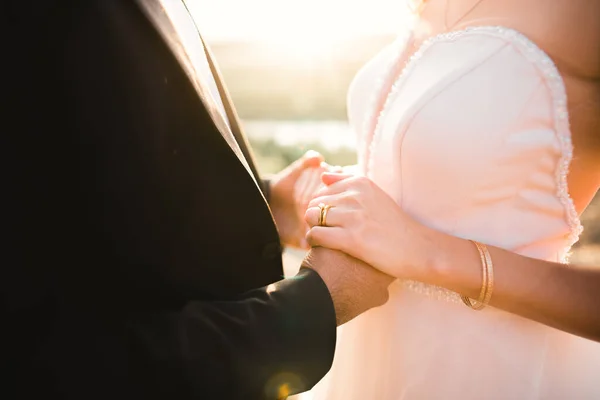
432	262
454	264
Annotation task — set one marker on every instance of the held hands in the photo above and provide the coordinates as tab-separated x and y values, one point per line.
291	191
309	184
366	223
355	287
289	219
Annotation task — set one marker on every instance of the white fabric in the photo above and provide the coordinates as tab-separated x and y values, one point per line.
471	138
184	24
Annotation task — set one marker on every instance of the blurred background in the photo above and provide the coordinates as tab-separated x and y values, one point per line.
288	65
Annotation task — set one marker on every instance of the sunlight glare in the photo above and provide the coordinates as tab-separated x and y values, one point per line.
303	28
301	47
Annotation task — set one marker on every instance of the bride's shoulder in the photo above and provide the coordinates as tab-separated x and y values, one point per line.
489	46
568	32
574	40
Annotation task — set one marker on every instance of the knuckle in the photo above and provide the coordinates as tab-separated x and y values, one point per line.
351	198
308	215
315	201
310	237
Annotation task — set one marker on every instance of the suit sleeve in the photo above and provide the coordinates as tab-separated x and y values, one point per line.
269	343
272	342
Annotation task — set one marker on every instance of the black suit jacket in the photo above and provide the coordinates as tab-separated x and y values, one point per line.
137	231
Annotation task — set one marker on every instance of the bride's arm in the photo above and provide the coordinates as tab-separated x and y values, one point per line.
566	297
367	224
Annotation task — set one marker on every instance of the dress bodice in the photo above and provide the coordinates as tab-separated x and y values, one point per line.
471	137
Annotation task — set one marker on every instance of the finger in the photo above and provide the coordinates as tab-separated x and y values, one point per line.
312	186
306	191
348	182
335	200
311	158
329	178
301	242
325	166
336	216
332	168
304	244
332	238
300	186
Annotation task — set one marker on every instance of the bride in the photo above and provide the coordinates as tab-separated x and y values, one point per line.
481	122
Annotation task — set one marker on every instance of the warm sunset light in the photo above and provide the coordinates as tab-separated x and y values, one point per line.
302	24
286	60
302	199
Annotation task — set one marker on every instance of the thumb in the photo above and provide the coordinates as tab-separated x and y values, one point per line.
311	159
329	178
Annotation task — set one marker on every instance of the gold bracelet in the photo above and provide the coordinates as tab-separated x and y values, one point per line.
489	276
466	299
490	273
487	285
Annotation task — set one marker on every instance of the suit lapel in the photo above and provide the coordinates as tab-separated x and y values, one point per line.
232	116
156	13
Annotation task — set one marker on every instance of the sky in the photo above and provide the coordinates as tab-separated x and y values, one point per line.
296	21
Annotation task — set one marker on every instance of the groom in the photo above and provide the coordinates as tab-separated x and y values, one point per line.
142	254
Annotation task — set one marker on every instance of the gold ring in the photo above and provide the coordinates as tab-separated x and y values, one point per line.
324	208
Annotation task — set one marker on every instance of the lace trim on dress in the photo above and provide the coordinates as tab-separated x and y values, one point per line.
371	123
561	124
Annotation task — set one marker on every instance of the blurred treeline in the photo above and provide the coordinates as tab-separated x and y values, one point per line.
266	83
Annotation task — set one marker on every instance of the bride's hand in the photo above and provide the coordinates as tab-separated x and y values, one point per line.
308	185
366	223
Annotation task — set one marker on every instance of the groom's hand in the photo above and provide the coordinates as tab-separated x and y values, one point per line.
355	287
290	221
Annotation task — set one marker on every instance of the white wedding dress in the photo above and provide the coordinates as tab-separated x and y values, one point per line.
471	136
